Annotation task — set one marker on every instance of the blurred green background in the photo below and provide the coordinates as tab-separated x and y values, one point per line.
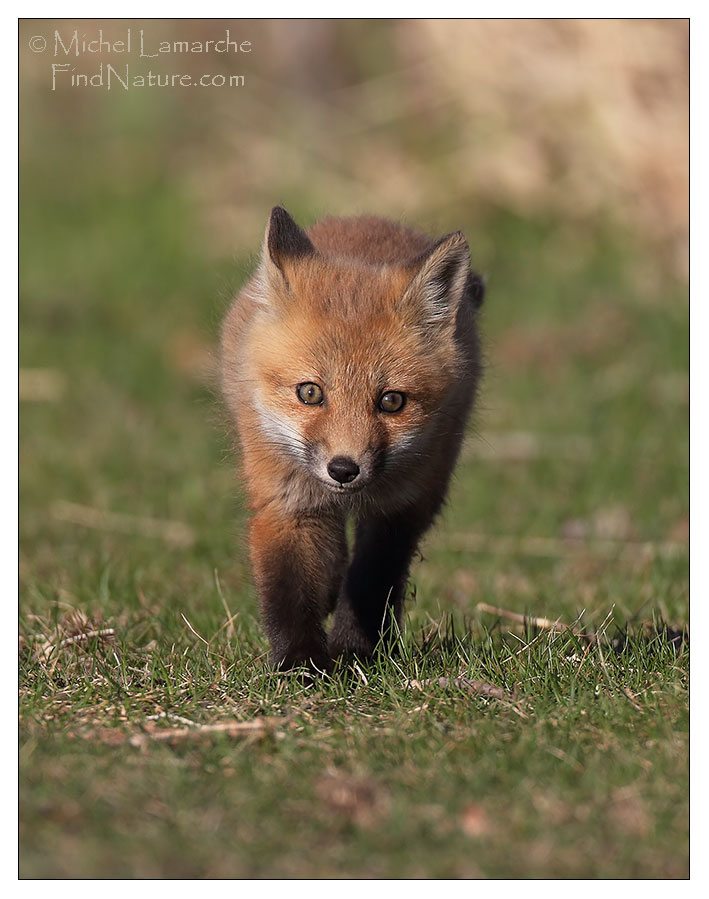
558	146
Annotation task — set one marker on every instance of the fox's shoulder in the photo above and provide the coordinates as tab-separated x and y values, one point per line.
368	238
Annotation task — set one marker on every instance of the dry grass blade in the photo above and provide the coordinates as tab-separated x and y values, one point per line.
258	726
229	623
362	676
74	629
171	716
543	624
176	533
46	650
546	623
463	683
198	636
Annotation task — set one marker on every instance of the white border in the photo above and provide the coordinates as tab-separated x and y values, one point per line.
699	336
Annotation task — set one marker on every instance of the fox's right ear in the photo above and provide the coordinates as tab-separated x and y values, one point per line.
284	244
442	274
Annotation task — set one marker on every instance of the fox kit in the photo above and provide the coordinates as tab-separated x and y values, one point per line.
350	362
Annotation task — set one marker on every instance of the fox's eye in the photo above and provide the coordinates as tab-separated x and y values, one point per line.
310	394
392	401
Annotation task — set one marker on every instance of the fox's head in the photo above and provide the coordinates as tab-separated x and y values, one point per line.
354	364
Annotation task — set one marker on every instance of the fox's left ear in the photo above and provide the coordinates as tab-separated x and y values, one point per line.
284	243
439	283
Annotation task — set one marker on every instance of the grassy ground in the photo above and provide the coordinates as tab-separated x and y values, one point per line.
575	766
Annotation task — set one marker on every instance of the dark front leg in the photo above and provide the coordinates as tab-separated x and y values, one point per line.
371	602
298	567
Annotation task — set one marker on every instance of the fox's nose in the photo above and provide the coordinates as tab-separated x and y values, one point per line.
342	469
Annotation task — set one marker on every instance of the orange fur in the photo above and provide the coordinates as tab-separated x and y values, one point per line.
359	308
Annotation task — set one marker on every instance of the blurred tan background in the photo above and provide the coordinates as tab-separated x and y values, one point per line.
423	118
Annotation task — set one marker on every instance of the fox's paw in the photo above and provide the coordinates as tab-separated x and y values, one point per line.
346	645
315	661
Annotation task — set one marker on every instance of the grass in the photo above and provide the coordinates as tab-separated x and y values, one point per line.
359	776
580	770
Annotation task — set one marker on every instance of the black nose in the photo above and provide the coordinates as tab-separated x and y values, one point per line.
342	469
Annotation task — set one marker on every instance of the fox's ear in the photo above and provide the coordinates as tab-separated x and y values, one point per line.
283	244
441	275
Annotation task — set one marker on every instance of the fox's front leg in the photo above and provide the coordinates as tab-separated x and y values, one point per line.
371	601
298	566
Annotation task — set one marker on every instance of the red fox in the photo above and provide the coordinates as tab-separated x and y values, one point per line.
349	365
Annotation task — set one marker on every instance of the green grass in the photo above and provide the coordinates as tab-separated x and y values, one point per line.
359	776
581	772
